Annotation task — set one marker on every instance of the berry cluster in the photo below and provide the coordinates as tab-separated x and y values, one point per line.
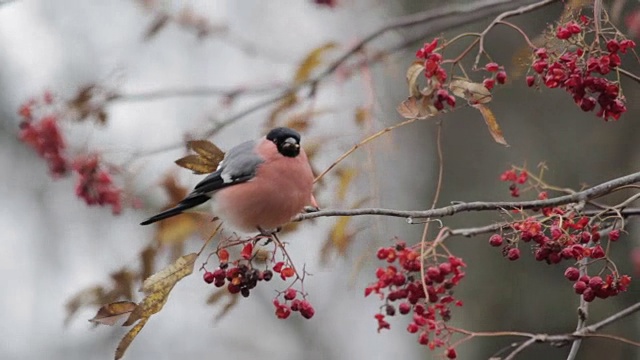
498	75
591	287
291	303
95	184
41	132
515	179
560	235
435	74
430	310
40	129
580	70
241	276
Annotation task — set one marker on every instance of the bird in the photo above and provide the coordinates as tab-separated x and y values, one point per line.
259	184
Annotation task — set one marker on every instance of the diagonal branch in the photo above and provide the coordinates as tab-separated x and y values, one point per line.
580	196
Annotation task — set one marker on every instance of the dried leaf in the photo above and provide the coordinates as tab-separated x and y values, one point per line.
416	108
176	230
110	313
147	261
129	337
362	115
475	93
165	279
207	150
175	191
413	72
345	177
158	286
197	164
492	124
339	239
311	62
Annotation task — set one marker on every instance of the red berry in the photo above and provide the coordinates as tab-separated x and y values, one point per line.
614	235
589	295
597	252
513	254
501	77
404	308
531	80
283	311
278	266
208	277
267	275
451	353
223	255
574	28
382	253
580	287
613	46
595	282
492	67
413	328
290	294
495	240
572	274
247	251
306	310
489	83
563	33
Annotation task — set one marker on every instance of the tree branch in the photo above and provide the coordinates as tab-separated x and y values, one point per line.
433	21
580	196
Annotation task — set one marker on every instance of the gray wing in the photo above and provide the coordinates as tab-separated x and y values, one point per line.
239	165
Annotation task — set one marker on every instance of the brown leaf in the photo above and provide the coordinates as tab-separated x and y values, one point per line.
475	93
311	62
110	313
147	261
129	337
207	150
413	72
198	164
492	124
177	229
416	108
175	191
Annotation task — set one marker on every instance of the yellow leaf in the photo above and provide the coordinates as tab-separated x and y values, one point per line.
475	93
207	150
310	62
198	164
413	72
158	286
362	115
416	108
169	276
492	124
345	177
110	313
128	338
177	229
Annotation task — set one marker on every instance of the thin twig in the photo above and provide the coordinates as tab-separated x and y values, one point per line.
519	11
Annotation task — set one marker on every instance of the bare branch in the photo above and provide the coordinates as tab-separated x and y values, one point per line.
580	196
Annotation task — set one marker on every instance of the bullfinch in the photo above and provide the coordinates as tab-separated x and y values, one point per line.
259	185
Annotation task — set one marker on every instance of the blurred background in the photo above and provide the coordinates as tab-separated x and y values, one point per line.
166	59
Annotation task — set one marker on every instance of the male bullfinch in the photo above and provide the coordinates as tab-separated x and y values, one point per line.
259	185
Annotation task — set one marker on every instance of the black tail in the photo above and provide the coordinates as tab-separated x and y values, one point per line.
186	204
